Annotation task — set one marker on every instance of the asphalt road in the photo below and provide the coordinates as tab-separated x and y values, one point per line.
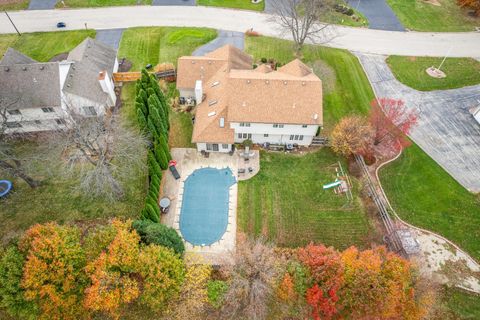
379	14
224	37
355	39
446	130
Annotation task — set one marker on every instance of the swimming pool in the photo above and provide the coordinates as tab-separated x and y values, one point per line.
204	212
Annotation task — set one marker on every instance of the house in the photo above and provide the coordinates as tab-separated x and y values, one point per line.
236	102
41	96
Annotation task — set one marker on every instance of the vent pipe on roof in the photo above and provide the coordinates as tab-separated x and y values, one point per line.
222	122
211	114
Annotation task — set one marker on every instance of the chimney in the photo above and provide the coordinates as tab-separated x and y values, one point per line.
198	91
107	85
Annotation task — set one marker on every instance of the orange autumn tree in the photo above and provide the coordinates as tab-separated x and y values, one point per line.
53	275
472	4
111	274
370	284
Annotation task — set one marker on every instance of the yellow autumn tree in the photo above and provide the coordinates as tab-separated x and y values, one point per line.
53	274
351	135
112	282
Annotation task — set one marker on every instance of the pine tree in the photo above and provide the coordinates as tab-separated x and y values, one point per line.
153	129
153	164
157	121
142	122
151	213
145	78
141	106
163	159
164	146
143	96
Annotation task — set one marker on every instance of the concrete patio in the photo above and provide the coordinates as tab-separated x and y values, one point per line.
189	160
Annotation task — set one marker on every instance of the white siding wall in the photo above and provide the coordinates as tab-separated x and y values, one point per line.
77	102
203	146
187	93
27	118
275	135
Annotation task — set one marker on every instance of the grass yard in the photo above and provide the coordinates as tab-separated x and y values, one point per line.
346	88
459	305
422	16
461	72
10	5
100	3
425	195
237	4
285	203
42	46
57	200
161	44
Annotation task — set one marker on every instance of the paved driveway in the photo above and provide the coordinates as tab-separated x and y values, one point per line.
173	2
110	37
379	14
41	4
446	130
224	37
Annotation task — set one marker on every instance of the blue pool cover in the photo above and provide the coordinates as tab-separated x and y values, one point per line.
204	213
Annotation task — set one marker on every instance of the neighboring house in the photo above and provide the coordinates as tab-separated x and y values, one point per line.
41	96
236	102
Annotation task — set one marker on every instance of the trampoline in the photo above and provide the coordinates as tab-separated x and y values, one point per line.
204	212
5	187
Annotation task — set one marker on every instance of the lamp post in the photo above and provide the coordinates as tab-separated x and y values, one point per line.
13	24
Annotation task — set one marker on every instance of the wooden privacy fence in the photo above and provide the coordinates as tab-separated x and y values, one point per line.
164	71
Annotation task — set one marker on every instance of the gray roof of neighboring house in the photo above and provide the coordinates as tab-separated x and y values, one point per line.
82	80
90	58
33	85
13	56
95	53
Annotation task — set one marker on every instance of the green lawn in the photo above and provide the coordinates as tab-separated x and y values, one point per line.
348	90
42	46
14	5
161	44
101	3
461	72
421	16
56	199
285	203
425	195
459	305
237	4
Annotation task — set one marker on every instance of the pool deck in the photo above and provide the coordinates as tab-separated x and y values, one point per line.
189	160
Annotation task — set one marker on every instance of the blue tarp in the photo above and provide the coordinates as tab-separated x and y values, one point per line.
204	213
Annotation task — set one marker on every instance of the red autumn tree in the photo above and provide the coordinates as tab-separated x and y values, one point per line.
326	270
53	275
391	121
472	4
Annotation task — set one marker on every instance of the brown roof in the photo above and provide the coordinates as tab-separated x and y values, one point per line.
192	68
290	95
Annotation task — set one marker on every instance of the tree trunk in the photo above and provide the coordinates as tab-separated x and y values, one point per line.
17	172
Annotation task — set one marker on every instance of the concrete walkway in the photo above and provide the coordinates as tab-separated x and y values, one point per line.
42	4
173	3
355	39
224	37
110	37
446	131
379	14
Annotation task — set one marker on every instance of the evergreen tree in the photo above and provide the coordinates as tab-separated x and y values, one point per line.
154	165
142	122
145	78
153	129
163	161
164	145
157	121
141	106
151	214
144	97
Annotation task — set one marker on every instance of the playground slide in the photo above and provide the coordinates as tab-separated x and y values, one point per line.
332	185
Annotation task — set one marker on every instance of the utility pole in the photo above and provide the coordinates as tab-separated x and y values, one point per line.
13	24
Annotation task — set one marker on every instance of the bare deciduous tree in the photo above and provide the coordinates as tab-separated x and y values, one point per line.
101	152
301	18
252	278
10	162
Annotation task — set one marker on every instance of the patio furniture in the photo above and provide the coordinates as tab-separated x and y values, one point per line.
173	169
5	188
250	169
164	204
241	171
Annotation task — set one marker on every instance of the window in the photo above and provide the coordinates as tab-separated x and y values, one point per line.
90	111
46	110
266	135
291	137
13	125
304	126
301	137
215	147
209	147
280	125
239	136
13	112
277	125
224	146
245	135
296	137
244	124
60	121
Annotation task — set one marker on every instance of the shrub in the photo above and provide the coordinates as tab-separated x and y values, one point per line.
156	233
216	290
263	60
